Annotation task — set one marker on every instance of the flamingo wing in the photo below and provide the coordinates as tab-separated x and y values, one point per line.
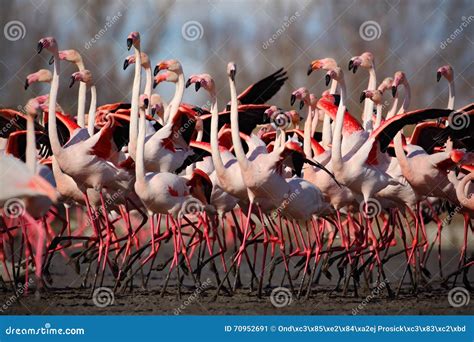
263	90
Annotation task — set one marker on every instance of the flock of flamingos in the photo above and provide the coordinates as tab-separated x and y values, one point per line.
128	190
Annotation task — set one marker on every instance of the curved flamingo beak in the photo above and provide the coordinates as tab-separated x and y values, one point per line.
363	96
232	74
125	64
438	76
73	79
129	43
159	67
328	80
39	47
394	91
27	84
292	99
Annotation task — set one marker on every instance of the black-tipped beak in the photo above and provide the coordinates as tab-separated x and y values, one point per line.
328	80
129	43
125	64
310	70
27	84
154	84
292	99
232	75
39	47
351	64
145	102
438	76
51	60
156	70
188	83
301	104
394	91
362	97
153	111
354	69
72	81
197	86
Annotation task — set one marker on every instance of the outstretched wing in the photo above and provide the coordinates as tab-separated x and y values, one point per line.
263	90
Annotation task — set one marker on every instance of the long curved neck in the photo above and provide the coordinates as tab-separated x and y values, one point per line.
393	109
400	153
307	134
30	144
327	130
139	158
452	95
177	98
406	98
465	201
336	153
148	82
368	104
53	94
92	109
81	100
234	123
378	118
135	95
216	156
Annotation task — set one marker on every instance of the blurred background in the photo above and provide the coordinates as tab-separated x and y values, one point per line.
260	36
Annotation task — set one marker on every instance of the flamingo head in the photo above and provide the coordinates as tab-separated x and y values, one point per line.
169	64
133	39
70	55
374	95
231	70
271	110
82	76
325	63
398	78
167	76
446	71
202	80
334	74
32	107
42	75
366	60
48	43
131	60
301	94
294	117
386	84
156	105
143	101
